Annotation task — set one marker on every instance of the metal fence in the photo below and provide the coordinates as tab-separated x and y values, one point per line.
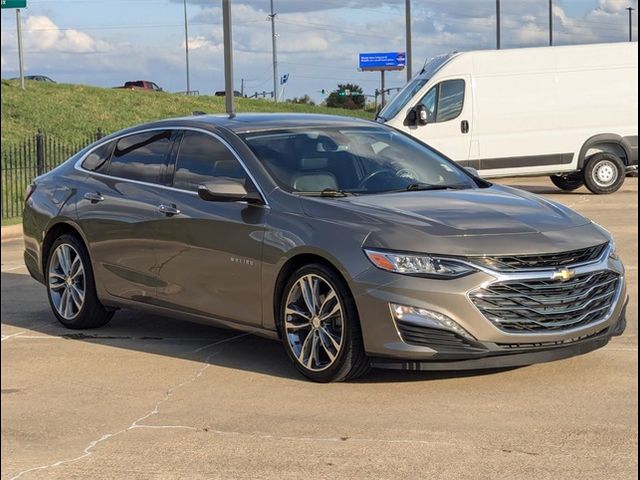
20	163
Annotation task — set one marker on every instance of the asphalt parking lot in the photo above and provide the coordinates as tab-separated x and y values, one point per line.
149	397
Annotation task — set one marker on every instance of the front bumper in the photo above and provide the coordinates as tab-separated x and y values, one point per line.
491	346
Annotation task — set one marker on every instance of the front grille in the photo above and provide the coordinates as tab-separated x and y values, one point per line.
510	263
548	305
439	340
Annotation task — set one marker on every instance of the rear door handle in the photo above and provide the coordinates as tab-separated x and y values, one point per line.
169	210
464	126
93	197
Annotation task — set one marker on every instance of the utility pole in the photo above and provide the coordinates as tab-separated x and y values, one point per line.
20	51
630	9
498	24
242	87
186	45
550	23
228	56
274	49
382	88
407	11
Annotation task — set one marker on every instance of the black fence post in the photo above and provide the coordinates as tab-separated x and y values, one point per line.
40	153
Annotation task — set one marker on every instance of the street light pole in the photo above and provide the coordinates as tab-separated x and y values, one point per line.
550	23
228	56
186	46
630	9
498	46
407	11
274	49
20	52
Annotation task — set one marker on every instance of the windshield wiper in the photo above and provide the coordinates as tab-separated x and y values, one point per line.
419	186
327	192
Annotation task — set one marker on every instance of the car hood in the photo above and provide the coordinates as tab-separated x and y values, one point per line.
497	219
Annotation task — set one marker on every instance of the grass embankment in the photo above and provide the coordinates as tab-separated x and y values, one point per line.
71	112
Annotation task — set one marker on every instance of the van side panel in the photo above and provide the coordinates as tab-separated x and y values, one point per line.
535	110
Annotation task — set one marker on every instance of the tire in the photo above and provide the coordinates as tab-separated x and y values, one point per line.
604	173
71	287
568	182
311	341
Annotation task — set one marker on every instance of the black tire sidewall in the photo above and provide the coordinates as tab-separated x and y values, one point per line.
591	165
566	183
351	325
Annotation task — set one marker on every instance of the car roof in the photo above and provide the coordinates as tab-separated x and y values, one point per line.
255	122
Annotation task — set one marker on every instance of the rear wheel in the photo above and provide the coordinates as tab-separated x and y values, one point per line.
319	326
70	286
568	182
604	173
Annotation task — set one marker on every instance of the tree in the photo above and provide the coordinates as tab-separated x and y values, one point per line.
347	95
304	100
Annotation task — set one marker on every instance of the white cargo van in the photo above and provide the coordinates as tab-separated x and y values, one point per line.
567	112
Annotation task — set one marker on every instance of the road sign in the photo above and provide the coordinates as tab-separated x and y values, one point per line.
382	61
14	3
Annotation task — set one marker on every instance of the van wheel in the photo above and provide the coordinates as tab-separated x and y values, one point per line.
319	326
604	173
568	182
71	287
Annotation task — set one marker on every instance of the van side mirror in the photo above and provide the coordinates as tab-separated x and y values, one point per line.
472	171
417	116
227	190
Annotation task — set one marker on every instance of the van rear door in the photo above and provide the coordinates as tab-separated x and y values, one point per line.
449	104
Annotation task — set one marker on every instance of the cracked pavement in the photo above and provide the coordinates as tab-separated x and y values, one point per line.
148	397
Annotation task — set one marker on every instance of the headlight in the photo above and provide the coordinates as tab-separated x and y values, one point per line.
419	265
613	253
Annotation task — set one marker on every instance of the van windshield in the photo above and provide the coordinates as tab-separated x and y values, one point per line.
400	100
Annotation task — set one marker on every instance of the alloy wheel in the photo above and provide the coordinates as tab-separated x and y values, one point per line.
67	284
314	322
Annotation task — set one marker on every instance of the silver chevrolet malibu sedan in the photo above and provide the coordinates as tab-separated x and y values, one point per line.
352	243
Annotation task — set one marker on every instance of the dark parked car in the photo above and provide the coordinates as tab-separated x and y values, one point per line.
36	78
222	93
141	85
352	243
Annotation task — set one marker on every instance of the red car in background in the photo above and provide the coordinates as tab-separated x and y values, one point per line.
141	85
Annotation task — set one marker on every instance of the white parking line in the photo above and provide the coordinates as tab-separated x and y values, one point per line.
11	269
7	337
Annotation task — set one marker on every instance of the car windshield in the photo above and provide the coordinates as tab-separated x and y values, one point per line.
353	160
392	108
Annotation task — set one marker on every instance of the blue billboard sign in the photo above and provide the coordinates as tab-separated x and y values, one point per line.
382	61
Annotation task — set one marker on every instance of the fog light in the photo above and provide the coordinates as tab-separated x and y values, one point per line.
427	318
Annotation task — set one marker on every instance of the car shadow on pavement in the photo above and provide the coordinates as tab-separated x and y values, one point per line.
25	307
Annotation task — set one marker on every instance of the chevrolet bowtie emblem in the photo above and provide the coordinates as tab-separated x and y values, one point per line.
563	275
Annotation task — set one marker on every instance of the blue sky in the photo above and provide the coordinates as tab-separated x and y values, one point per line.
104	43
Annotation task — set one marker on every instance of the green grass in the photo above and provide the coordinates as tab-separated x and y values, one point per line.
11	221
71	112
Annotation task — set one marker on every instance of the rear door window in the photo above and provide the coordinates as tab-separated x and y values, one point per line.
98	160
142	157
202	158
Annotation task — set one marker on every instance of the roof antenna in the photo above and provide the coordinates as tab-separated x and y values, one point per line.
228	57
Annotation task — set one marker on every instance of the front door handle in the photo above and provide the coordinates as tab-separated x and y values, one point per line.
93	197
169	210
464	126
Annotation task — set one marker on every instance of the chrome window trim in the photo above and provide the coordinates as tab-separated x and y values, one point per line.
78	164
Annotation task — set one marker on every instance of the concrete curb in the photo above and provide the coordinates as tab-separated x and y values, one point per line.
11	232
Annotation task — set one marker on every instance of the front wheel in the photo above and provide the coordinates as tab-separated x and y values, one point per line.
604	173
71	288
319	326
568	182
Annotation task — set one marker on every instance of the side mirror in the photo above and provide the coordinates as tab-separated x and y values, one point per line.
227	190
472	171
417	116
